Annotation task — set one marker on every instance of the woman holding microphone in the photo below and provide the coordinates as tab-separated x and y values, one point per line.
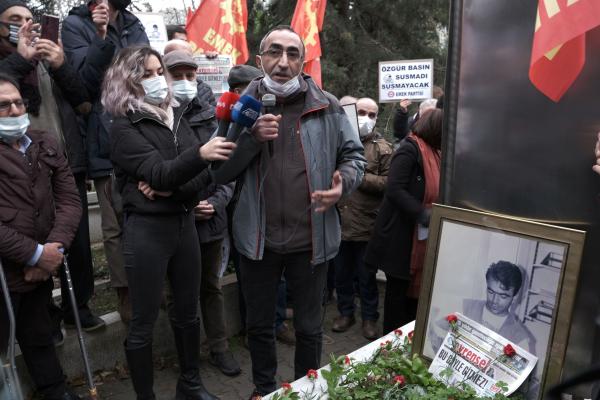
160	170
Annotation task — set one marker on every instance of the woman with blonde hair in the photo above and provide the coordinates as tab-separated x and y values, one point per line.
159	170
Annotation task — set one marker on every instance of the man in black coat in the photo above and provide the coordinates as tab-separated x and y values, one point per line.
92	34
55	95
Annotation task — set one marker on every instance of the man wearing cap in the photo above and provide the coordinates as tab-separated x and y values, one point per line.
211	216
205	93
55	95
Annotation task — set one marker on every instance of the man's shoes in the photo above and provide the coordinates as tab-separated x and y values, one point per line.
286	335
89	323
343	323
58	337
225	362
369	330
124	304
255	395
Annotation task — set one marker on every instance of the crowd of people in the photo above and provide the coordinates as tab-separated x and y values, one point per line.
103	106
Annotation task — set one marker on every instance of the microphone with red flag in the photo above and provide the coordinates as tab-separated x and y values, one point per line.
223	111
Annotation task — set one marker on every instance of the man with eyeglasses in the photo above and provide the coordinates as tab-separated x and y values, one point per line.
306	157
358	212
56	97
39	215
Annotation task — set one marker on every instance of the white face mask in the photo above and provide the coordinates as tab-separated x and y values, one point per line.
184	89
282	90
13	128
365	125
156	90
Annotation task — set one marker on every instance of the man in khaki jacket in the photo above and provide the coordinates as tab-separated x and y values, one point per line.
358	212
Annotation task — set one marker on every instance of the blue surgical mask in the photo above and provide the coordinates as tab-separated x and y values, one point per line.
13	128
184	89
156	90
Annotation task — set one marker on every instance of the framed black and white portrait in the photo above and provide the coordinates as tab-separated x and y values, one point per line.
516	277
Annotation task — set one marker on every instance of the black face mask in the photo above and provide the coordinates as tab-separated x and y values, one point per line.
13	32
120	4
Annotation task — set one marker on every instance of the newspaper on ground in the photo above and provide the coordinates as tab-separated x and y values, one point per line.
476	355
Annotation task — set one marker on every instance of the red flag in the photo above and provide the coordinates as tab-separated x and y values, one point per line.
220	26
308	22
558	52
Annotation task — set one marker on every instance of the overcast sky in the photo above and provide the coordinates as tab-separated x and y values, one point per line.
158	5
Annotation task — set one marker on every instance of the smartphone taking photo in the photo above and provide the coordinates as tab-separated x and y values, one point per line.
50	24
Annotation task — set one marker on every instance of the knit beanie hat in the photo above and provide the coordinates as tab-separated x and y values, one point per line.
6	4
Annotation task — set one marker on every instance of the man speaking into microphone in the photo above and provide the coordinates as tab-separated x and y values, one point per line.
284	222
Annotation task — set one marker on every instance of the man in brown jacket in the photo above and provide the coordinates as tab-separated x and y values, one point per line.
358	212
39	215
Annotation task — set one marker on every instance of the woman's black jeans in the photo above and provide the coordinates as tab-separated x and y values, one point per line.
155	247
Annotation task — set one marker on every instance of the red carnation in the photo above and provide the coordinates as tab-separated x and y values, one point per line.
347	360
398	332
452	319
410	335
312	374
399	379
509	350
286	387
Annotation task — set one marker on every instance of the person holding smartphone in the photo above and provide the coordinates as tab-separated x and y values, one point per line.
92	35
56	96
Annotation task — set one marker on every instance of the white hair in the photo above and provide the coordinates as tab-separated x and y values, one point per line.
427	105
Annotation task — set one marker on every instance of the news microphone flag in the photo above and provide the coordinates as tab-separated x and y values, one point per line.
223	111
558	52
244	114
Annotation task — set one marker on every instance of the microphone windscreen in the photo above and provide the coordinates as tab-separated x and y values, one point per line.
246	111
225	104
269	100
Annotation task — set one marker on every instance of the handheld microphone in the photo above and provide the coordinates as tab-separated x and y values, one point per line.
223	111
244	114
269	102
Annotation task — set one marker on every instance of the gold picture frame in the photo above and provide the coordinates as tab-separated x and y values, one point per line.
474	241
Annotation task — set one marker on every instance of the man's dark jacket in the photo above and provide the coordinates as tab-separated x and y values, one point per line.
39	203
69	93
91	56
143	148
200	114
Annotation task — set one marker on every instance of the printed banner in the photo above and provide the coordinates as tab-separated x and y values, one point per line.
408	79
214	72
154	24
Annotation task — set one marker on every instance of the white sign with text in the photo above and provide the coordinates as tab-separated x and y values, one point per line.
407	79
